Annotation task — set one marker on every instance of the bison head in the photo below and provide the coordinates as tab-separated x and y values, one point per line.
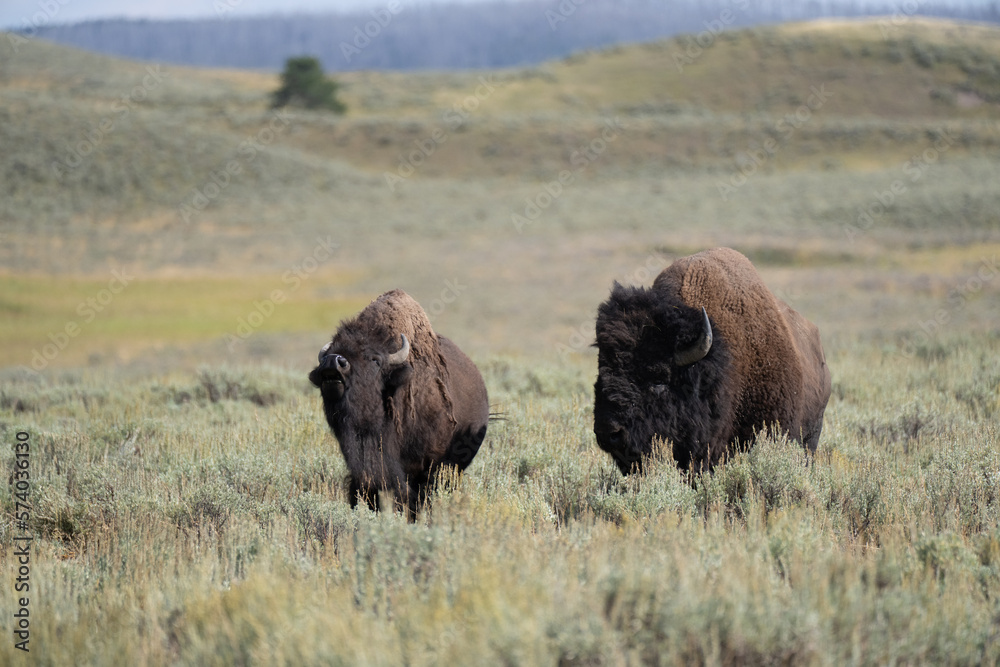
358	378
659	375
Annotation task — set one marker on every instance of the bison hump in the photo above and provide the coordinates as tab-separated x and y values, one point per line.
395	313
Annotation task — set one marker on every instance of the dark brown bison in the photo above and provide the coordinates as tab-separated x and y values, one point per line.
704	359
401	400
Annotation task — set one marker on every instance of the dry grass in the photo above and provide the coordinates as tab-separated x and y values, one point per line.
203	519
189	505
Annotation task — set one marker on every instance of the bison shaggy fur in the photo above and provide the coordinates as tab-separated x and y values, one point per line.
401	400
763	368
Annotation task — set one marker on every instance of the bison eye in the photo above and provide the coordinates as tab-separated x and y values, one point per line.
616	437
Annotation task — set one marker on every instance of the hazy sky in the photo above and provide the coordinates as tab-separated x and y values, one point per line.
17	13
21	13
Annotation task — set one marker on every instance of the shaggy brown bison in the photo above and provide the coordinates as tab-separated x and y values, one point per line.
704	359
401	400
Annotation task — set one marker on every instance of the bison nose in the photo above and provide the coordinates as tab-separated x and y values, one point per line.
335	363
332	366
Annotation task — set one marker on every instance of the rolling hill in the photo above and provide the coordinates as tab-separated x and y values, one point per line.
878	99
419	36
779	141
173	255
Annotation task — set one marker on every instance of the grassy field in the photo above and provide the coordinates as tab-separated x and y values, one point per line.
202	519
173	254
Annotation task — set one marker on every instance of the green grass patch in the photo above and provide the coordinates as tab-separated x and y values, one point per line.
67	319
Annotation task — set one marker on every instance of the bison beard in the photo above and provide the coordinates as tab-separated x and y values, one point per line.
663	374
401	401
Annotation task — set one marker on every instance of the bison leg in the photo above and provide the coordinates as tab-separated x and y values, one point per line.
400	497
414	501
353	491
356	493
810	434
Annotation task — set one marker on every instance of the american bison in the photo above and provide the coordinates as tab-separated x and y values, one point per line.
401	400
704	359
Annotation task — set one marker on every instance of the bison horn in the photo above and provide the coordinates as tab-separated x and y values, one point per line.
323	351
399	357
697	351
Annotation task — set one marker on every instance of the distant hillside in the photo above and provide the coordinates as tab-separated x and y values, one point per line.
881	98
782	141
398	35
95	138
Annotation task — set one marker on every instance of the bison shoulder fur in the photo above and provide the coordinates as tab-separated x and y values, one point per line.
704	359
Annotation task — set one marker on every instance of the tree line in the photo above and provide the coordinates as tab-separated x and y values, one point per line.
396	35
